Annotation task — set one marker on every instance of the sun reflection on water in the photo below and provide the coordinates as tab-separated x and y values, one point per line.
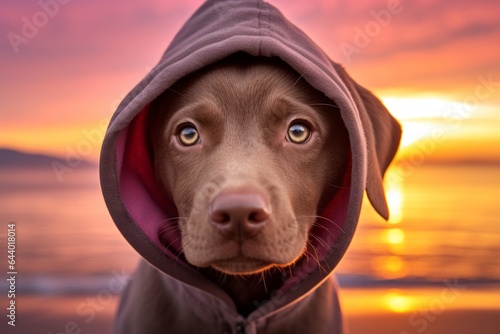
398	303
394	236
393	266
390	267
394	194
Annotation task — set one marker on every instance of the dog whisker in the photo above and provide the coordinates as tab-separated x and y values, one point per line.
338	186
325	229
316	257
167	231
170	219
176	92
282	270
291	271
298	79
167	223
327	219
169	227
327	247
178	252
322	242
263	280
222	279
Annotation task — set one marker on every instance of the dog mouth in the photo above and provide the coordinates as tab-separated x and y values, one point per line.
241	265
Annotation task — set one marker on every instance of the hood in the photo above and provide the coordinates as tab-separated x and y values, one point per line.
216	30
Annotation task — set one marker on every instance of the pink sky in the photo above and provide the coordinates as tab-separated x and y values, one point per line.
73	71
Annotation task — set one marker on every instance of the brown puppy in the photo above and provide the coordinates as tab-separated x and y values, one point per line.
250	153
238	183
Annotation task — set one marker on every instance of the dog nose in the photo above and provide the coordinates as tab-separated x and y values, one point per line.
239	214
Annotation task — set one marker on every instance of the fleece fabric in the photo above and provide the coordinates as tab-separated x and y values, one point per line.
216	30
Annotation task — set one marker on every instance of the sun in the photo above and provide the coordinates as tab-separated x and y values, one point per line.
420	116
397	302
413	131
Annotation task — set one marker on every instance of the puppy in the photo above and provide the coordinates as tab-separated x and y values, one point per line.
251	154
237	168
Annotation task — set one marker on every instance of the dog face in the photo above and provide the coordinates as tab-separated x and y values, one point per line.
250	153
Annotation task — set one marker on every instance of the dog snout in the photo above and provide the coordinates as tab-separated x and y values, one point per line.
239	214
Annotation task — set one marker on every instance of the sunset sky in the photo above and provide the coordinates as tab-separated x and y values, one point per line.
436	65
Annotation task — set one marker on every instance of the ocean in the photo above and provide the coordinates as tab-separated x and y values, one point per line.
445	225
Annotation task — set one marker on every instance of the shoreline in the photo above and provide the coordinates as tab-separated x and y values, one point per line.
76	285
373	310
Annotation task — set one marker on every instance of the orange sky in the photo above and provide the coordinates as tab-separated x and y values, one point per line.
436	64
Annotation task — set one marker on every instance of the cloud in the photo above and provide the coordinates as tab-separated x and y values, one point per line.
422	46
91	52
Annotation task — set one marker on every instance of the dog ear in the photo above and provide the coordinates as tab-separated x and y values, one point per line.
383	134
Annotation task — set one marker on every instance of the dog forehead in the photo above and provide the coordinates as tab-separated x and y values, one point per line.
243	81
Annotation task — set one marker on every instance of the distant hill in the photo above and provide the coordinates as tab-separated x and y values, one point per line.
15	159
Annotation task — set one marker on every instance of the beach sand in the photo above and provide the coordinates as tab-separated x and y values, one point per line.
366	311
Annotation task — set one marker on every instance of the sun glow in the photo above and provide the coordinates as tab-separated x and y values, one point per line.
394	194
397	302
395	202
420	117
394	236
405	108
390	267
414	131
393	266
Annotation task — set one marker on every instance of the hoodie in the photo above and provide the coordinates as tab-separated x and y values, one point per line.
135	201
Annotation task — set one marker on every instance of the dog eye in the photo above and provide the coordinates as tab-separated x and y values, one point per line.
188	135
298	133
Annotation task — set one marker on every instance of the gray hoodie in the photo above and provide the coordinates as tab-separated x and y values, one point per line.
216	30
